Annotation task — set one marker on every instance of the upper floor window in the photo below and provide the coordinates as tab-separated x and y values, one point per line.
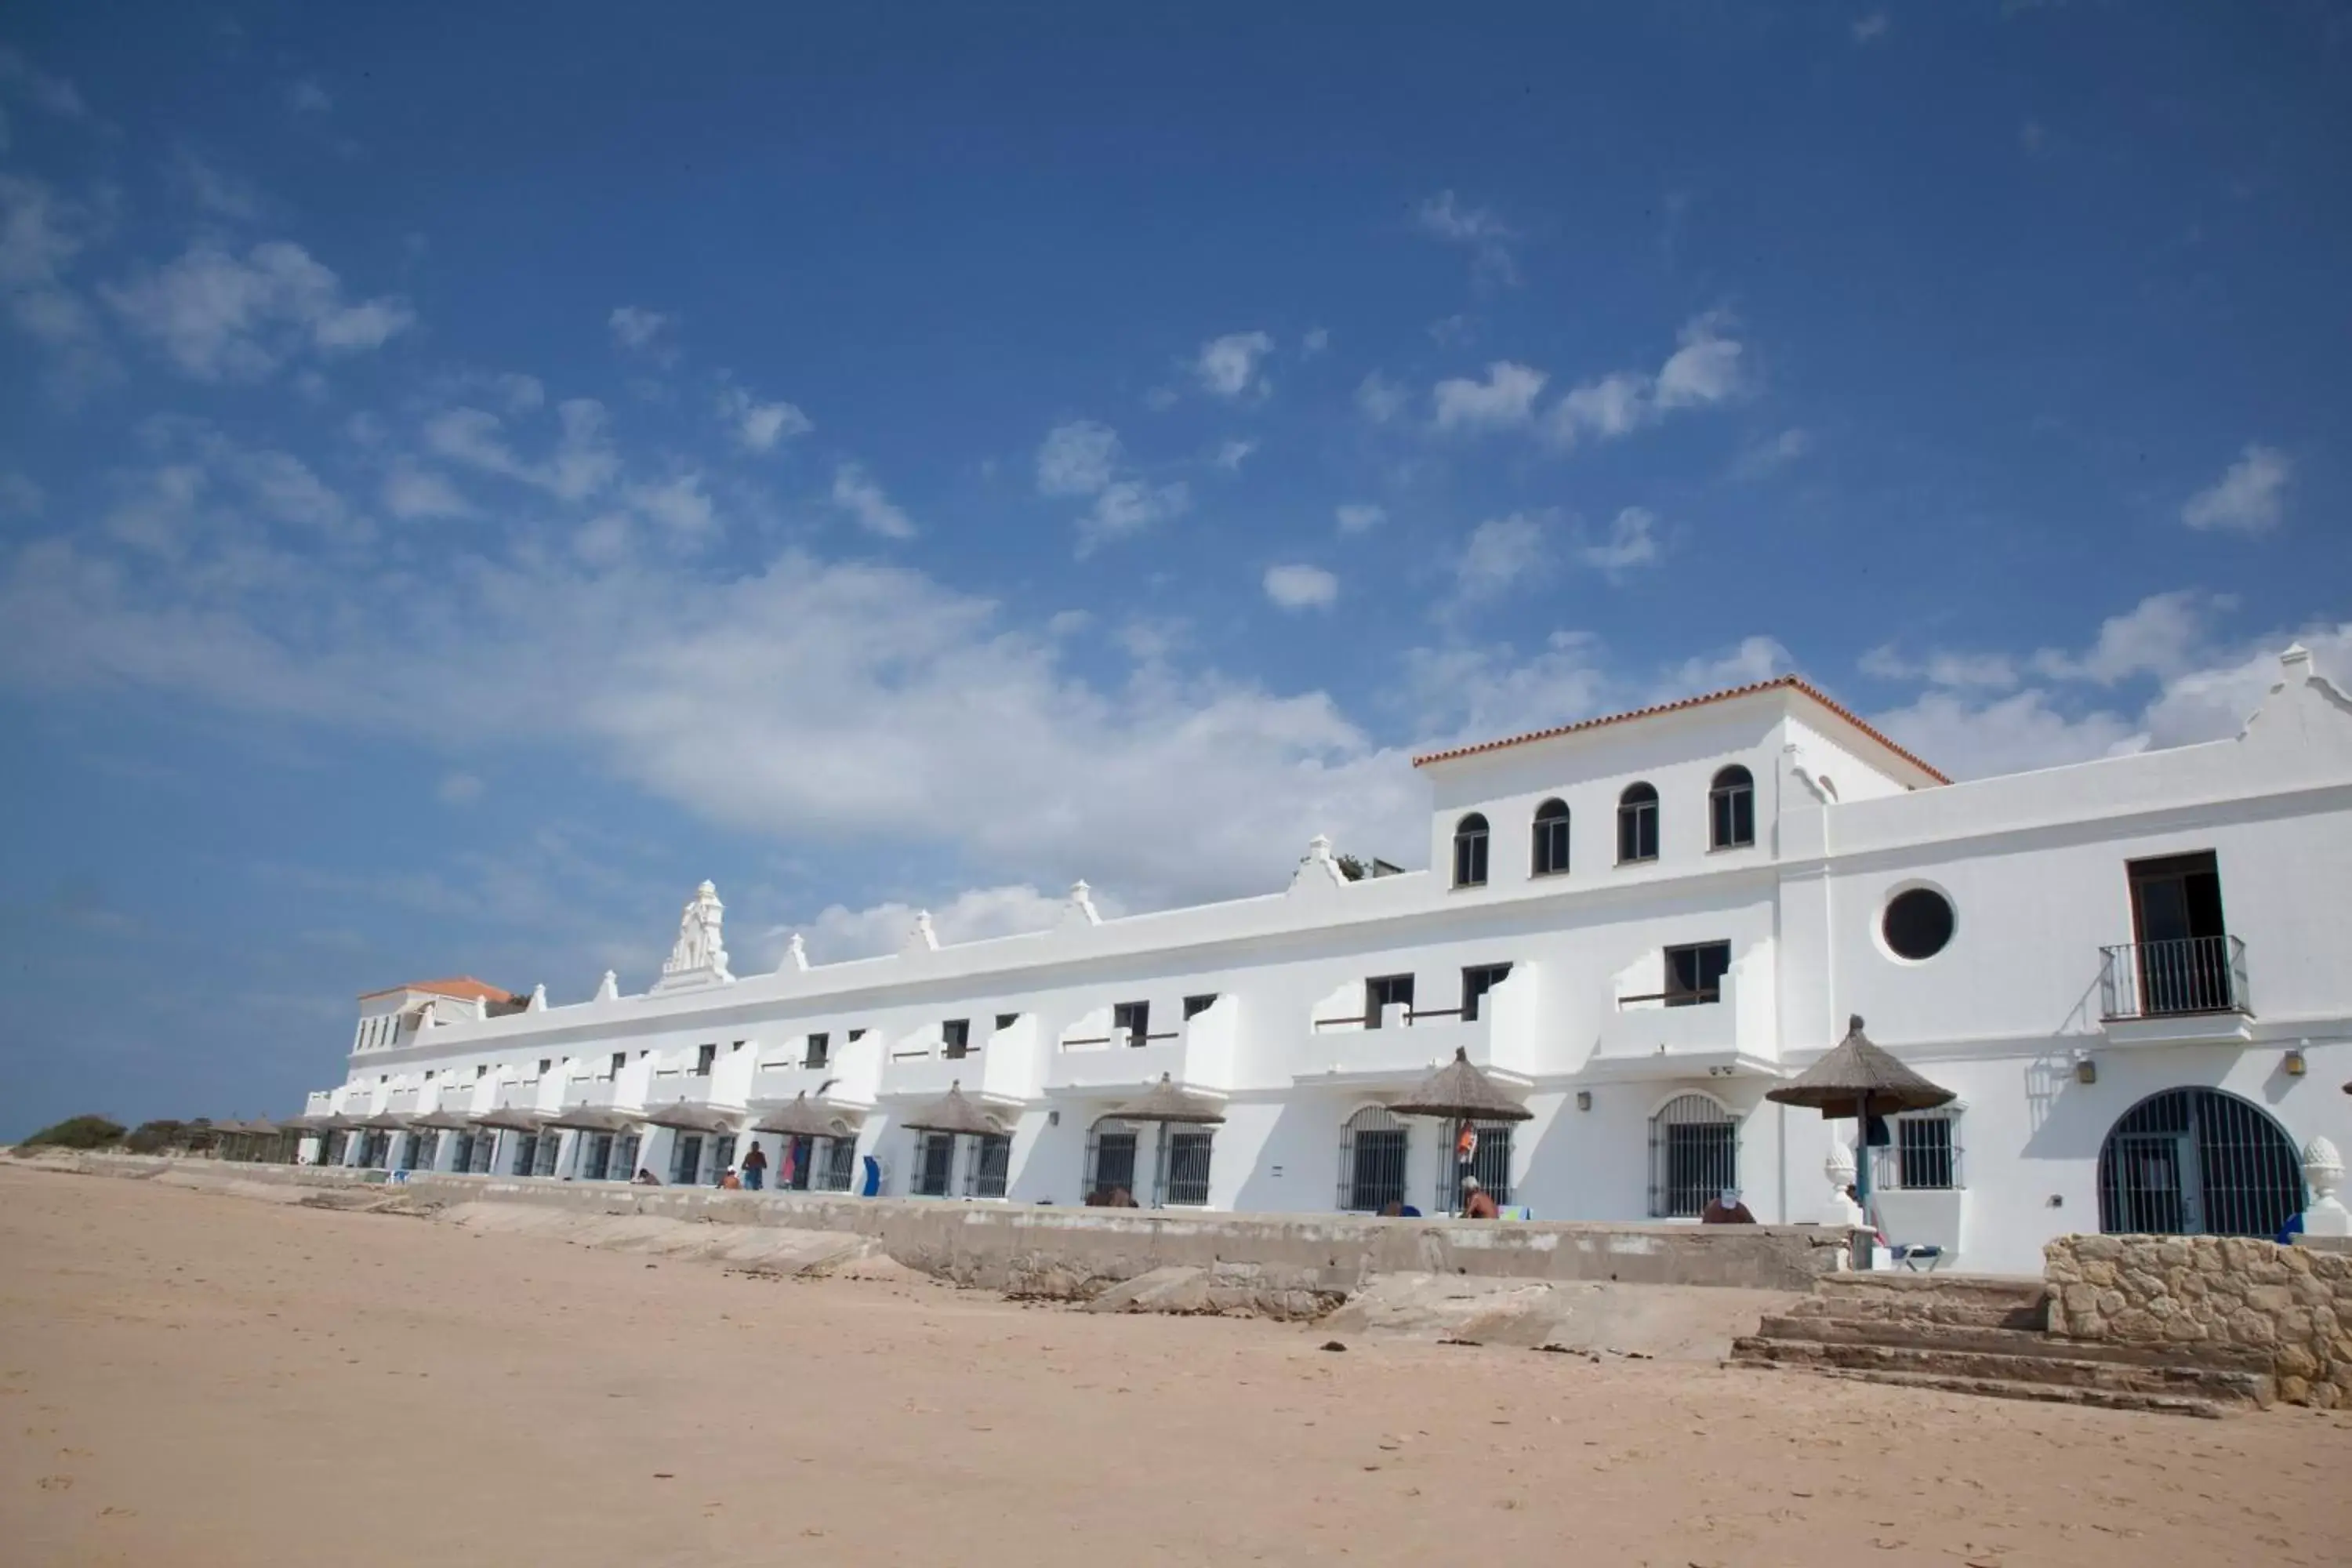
545	1063
1006	1020
1476	981
1731	809
1695	974
1384	990
818	1047
1470	852
703	1056
1637	823
1551	838
1132	1019
620	1060
1196	1006
955	1037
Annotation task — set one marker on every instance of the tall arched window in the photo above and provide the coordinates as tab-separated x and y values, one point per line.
2197	1161
1551	838
1731	809
1371	1161
1470	852
1637	823
1694	1155
1110	1161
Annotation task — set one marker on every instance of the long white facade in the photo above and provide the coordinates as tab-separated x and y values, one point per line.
2132	972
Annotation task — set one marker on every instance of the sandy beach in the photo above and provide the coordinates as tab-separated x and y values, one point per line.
197	1378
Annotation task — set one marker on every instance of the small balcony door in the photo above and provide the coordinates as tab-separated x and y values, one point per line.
2182	941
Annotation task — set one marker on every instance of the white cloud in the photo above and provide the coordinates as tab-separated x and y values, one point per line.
1361	517
524	394
1487	236
1229	366
1500	552
411	491
458	789
1981	671
976	914
1076	459
648	332
760	427
1128	506
1230	455
1869	28
2159	636
2248	498
1631	541
1480	692
214	189
1704	370
222	317
1504	400
1379	399
582	463
40	236
857	494
1317	339
1771	454
52	94
679	504
1753	659
2007	734
307	97
1301	587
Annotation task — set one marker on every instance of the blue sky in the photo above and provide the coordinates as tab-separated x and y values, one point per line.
463	482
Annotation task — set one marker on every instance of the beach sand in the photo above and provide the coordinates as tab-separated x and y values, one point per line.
194	1378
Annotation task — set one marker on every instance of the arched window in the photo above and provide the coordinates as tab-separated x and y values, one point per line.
1637	823
1110	1162
1731	809
1470	852
1371	1161
1694	1155
1551	838
2197	1161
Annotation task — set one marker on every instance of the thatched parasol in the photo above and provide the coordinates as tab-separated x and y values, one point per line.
951	1113
1460	1091
1165	1102
587	1119
1858	1080
683	1117
513	1119
805	1117
441	1121
388	1121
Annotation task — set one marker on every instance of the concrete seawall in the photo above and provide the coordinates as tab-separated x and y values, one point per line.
1079	1253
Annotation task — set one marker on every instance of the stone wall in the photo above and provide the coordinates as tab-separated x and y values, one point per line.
1025	1249
2294	1304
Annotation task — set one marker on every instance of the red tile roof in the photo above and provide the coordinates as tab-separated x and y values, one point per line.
1785	683
465	987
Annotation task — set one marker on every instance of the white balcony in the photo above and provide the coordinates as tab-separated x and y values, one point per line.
1343	1046
1726	1033
1092	1060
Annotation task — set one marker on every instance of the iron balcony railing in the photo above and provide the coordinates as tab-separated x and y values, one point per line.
2166	978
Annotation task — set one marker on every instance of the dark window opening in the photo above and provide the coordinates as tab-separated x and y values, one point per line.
1637	825
1695	974
1918	923
1196	1006
620	1059
1006	1020
1476	981
1731	809
686	1159
703	1056
1550	857
819	1047
1925	1157
1132	1019
1110	1163
857	1034
1383	991
1470	852
2184	960
955	1038
934	1164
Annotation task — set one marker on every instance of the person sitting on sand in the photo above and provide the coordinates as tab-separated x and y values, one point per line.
1478	1202
644	1178
731	1182
1726	1209
1393	1209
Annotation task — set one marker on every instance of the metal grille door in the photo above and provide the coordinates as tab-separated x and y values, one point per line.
934	1164
1694	1156
1184	1167
1372	1162
2197	1161
1110	1162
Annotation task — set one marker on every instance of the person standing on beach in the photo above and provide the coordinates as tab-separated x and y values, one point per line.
755	1168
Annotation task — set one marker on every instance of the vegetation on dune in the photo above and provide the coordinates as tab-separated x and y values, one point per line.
75	1133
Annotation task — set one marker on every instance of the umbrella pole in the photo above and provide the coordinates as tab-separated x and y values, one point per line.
1862	1181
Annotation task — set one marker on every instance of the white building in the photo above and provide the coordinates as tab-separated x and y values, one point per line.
2133	973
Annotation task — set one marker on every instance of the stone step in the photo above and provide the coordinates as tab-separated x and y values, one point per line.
1997	1340
1964	1312
2009	1388
2224	1385
2007	1289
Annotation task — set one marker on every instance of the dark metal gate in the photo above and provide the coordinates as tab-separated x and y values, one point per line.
2197	1161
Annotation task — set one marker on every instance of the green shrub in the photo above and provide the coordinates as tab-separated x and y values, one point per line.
77	1132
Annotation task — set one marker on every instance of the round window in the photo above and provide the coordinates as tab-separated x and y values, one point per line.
1918	923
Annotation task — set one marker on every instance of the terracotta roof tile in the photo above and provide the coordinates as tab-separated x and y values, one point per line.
464	987
1785	683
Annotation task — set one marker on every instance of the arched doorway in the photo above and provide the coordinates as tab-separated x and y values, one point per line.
2197	1161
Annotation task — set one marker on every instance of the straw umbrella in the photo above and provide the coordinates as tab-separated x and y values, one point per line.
1859	1080
1459	1093
1167	1105
805	1120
